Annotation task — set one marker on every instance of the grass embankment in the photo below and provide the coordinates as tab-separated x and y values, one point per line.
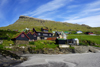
86	39
40	44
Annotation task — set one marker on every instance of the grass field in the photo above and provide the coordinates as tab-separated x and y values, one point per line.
86	39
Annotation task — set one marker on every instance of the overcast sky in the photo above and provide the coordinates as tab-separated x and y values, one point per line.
72	11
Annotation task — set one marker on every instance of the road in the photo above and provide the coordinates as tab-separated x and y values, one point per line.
62	60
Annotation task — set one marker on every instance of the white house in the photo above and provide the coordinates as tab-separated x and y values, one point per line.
78	32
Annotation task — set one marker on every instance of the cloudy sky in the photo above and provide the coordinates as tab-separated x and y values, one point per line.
72	11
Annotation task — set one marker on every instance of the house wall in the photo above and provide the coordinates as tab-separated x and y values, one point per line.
18	42
30	36
44	34
34	36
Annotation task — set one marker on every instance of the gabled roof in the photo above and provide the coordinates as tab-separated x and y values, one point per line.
30	33
34	33
20	34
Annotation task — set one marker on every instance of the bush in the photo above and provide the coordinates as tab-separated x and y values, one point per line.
32	43
7	42
1	46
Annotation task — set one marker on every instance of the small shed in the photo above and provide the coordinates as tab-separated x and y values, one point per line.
22	38
79	32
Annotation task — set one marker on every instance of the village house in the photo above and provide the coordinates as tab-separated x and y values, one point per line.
61	35
42	35
32	36
79	32
22	38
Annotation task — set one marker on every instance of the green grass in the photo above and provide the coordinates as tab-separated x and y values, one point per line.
43	44
7	42
7	34
1	46
86	39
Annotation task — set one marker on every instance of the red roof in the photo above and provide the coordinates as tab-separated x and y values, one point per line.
29	32
24	34
45	29
51	38
34	33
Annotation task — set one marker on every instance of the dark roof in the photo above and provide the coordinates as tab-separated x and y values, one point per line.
29	32
34	33
20	34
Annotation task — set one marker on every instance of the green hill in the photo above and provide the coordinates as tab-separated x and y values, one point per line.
30	22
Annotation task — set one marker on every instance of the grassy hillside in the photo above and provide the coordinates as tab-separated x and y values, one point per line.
30	22
86	39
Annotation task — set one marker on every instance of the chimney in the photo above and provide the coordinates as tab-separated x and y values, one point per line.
34	30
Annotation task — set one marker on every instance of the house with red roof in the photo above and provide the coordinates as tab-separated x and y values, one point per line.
21	38
32	36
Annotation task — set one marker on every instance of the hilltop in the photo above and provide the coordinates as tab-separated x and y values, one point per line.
30	22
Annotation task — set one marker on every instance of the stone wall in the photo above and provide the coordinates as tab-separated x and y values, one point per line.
17	42
1	41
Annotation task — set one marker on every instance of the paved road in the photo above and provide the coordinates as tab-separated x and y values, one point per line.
62	60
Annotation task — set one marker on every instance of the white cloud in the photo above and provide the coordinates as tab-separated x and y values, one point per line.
92	10
93	4
50	6
73	6
93	21
89	14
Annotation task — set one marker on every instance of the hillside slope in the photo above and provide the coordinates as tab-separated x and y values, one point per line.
30	22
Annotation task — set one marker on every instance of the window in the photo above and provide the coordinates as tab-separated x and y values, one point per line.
39	34
22	35
45	34
49	34
34	35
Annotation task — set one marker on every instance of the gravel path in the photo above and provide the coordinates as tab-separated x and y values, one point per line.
62	60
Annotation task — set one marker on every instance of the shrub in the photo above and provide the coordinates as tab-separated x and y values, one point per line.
7	42
1	46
